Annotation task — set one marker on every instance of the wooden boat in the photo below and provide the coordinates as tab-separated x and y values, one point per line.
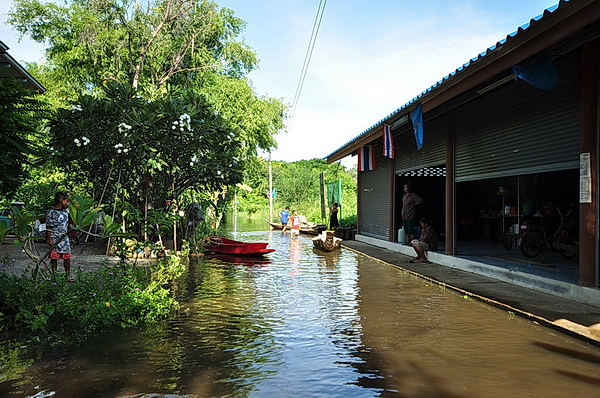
327	241
222	245
305	228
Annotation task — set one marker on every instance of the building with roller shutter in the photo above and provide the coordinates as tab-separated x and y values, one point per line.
495	145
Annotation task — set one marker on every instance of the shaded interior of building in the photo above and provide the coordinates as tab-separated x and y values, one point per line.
491	213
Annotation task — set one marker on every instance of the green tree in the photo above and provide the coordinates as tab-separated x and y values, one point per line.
146	151
21	116
189	44
298	186
131	70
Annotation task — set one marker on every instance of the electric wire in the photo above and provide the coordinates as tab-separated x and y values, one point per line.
307	58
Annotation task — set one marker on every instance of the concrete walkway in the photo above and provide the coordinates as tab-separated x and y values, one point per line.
572	309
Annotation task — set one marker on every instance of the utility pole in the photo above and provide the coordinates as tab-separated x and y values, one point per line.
270	190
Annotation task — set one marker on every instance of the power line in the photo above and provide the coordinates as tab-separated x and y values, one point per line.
307	57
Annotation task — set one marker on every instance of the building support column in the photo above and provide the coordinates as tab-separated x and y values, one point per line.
359	195
588	255
449	214
392	196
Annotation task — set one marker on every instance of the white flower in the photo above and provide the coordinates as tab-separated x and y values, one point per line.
173	127
125	150
119	151
184	122
77	142
76	108
123	127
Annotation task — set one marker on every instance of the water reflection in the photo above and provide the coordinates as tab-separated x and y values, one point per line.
307	323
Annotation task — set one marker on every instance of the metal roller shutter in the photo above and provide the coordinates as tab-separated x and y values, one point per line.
375	200
433	152
541	134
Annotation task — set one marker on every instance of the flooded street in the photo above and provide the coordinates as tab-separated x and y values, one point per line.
306	324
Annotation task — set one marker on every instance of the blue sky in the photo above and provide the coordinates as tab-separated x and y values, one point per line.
370	57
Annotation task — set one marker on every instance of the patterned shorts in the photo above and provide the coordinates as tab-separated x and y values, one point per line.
54	255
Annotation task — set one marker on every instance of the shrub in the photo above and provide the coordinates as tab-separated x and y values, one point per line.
116	295
348	222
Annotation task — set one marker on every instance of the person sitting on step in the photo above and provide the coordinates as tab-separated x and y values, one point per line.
427	241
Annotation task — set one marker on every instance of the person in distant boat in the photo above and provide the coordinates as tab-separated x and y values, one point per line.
284	216
333	218
295	220
427	241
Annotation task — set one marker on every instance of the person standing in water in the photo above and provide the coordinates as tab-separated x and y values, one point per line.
295	231
284	217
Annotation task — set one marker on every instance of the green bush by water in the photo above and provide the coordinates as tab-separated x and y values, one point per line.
118	295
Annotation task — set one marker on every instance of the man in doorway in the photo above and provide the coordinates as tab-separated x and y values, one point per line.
410	201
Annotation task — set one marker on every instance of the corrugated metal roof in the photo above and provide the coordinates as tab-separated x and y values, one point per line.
12	69
496	47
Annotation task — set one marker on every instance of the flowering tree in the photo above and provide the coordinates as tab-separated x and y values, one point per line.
166	106
146	150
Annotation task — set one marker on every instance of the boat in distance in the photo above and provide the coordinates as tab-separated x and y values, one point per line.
305	228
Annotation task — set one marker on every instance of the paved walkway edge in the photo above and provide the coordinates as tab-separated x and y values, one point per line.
570	291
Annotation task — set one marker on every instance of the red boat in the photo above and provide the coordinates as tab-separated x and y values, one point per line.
252	261
218	244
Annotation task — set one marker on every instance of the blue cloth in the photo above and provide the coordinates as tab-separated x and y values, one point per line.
417	121
542	74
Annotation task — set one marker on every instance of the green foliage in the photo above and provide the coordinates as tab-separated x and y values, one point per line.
83	212
170	58
348	222
21	115
22	219
150	42
37	192
143	150
119	295
4	230
298	186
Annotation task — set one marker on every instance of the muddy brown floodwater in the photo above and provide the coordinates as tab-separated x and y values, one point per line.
306	324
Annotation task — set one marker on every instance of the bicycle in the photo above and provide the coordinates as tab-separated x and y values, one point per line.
534	239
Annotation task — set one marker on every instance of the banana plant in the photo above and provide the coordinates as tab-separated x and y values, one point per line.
83	212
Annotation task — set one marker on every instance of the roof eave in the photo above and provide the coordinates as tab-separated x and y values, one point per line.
550	29
19	73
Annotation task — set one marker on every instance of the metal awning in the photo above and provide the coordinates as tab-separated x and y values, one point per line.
10	68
